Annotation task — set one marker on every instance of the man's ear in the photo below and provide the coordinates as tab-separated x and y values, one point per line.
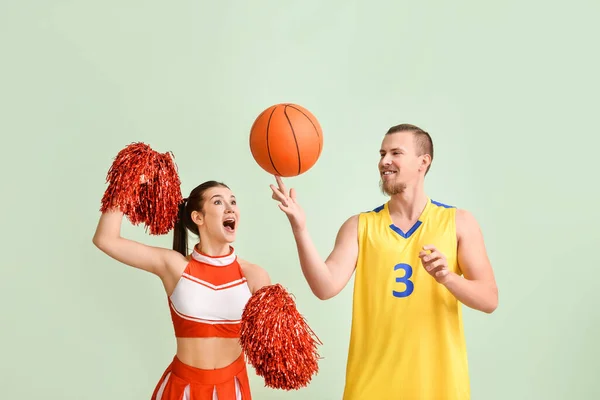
425	162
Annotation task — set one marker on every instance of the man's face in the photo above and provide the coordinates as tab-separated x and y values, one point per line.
400	165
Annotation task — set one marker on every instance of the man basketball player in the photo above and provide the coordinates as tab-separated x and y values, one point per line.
416	261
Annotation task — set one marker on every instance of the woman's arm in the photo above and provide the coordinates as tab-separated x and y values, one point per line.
148	258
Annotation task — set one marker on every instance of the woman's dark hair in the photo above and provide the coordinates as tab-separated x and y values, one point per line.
194	202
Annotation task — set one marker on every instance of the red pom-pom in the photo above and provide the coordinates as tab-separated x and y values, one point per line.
144	185
277	341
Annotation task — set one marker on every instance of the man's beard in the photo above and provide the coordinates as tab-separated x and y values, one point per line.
391	188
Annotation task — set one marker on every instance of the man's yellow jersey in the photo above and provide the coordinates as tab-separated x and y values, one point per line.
407	340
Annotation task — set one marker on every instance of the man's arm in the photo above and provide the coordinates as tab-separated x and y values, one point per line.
477	287
327	278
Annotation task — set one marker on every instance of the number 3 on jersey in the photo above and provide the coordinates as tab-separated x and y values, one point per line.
404	280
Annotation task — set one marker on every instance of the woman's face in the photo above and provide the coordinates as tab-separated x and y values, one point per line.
220	217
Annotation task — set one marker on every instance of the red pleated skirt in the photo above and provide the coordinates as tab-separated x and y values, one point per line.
184	382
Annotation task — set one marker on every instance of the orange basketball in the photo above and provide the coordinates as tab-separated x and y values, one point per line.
286	140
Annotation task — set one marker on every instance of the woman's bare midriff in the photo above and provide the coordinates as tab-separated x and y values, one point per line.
208	353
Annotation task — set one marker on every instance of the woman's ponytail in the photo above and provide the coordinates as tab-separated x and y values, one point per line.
180	237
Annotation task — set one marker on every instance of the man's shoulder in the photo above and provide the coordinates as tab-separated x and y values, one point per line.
442	209
376	209
465	220
443	205
351	222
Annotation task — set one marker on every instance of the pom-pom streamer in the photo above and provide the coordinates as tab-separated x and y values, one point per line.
145	186
277	341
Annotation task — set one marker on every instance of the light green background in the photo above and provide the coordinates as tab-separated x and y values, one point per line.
508	90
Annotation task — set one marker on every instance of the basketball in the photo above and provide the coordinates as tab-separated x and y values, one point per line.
286	140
